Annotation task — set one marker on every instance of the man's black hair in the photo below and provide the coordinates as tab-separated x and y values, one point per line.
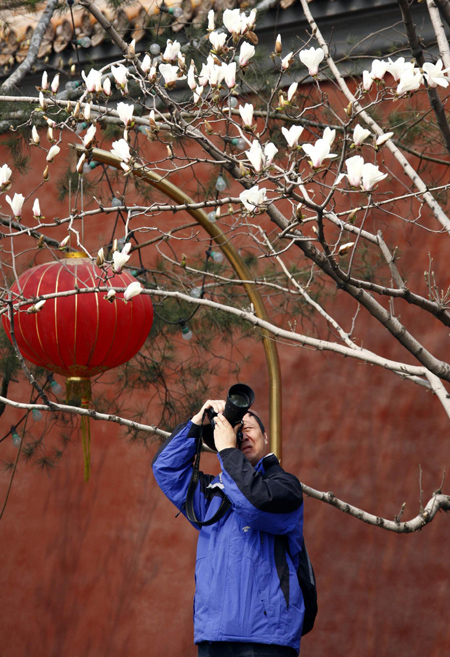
259	421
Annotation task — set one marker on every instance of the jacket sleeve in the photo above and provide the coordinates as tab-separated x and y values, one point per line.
173	465
272	503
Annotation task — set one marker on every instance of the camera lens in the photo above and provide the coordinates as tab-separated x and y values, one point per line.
241	401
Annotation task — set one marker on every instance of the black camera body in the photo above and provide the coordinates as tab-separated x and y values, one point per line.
239	399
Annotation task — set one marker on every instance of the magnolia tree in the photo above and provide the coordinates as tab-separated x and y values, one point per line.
307	175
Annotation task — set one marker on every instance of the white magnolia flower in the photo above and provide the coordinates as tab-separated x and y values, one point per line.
311	58
292	135
246	53
246	113
81	162
398	67
87	112
93	80
435	75
5	175
229	74
198	93
53	152
121	150
292	91
16	204
217	73
250	20
367	81
354	167
232	19
253	198
286	61
379	68
360	134
217	40
256	155
36	209
329	136
383	138
64	242
35	135
192	83
146	63
152	74
89	136
132	290
50	134
409	81
127	248
125	112
318	152
171	51
371	175
205	73
170	74
270	150
44	82
107	87
259	158
119	260
42	101
120	74
211	20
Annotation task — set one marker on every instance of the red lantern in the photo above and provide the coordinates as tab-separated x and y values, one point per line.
80	335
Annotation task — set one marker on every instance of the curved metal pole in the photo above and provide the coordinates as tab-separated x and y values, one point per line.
239	266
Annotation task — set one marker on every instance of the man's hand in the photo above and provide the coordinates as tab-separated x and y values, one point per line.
224	434
218	405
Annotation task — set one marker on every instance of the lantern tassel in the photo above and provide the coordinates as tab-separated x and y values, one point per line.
78	393
86	433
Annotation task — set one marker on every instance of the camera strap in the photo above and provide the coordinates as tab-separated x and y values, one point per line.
190	513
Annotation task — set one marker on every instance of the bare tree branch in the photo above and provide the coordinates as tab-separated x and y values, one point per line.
38	34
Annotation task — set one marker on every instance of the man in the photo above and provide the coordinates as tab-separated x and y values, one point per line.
248	602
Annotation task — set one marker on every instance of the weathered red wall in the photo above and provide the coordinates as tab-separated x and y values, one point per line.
105	569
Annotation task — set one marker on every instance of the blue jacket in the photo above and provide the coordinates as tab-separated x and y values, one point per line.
247	588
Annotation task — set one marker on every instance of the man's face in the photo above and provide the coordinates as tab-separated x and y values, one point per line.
254	442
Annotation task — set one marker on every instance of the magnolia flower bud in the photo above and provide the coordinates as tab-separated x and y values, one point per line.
100	257
36	209
37	307
132	290
64	242
110	296
278	46
55	84
53	152
35	139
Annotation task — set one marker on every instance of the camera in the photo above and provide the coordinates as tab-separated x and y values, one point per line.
239	399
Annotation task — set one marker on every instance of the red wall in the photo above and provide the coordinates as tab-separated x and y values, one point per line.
105	568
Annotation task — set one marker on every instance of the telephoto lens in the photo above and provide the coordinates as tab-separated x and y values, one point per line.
239	399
